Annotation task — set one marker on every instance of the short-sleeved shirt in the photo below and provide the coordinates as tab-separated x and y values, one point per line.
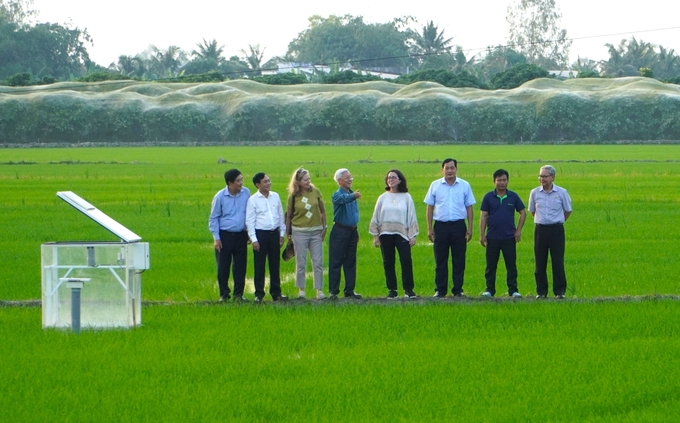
549	207
501	220
450	201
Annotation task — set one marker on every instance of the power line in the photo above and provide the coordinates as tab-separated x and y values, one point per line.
415	55
478	49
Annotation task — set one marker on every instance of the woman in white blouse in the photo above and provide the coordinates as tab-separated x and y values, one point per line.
394	226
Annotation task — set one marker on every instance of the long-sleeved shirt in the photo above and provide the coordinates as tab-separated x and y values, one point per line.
264	213
228	212
345	207
394	214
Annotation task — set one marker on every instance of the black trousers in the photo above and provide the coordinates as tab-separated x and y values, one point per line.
234	249
388	243
449	236
270	249
494	247
342	255
549	239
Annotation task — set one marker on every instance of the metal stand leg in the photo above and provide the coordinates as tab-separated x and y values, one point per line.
76	285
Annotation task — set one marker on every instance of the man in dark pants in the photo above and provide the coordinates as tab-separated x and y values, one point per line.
266	229
449	202
227	224
550	206
498	215
342	244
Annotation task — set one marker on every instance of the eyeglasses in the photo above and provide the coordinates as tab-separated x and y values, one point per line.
544	176
392	177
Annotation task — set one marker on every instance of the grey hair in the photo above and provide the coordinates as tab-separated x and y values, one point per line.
339	172
550	169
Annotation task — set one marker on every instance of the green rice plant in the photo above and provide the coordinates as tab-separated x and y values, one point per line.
619	240
420	360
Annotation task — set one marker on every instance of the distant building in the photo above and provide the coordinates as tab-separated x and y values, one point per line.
310	69
563	74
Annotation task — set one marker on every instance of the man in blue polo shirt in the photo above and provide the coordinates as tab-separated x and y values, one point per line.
498	215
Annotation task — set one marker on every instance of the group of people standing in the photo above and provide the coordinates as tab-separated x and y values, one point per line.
238	218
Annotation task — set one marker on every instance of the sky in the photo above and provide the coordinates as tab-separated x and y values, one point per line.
131	26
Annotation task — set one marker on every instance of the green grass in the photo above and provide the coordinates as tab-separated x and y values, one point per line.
584	359
619	238
606	361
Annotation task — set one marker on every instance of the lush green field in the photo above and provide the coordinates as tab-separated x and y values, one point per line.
583	359
620	238
572	361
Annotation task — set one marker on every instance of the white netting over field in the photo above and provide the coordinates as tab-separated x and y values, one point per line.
582	110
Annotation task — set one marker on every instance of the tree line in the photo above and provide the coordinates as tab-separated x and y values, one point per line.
33	53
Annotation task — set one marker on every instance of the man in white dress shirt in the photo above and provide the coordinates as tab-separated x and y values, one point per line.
449	204
266	230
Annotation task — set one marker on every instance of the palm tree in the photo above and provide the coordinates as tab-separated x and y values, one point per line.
209	51
167	62
126	65
431	41
628	57
431	48
254	58
667	65
586	68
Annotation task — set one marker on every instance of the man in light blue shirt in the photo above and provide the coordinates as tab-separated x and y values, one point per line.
449	202
227	223
550	205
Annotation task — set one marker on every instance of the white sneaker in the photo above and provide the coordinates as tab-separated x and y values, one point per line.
486	294
320	295
516	295
301	294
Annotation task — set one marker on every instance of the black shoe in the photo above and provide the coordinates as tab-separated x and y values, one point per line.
225	298
280	298
353	296
410	294
392	295
539	296
333	297
559	296
436	295
460	294
240	299
259	300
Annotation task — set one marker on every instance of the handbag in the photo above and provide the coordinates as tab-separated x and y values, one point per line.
288	252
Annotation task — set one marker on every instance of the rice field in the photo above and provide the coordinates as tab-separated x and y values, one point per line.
607	353
619	241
